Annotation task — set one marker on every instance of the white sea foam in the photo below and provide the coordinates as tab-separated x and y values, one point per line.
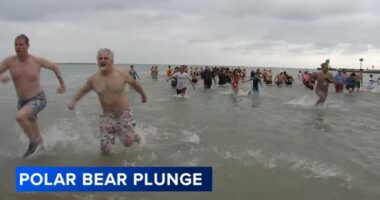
179	96
190	137
305	101
375	90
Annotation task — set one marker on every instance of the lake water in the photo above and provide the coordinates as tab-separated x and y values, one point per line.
275	145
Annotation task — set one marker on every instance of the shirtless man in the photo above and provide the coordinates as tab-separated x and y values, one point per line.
279	79
359	79
109	84
169	71
25	72
323	79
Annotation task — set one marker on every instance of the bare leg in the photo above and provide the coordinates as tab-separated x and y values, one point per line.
320	101
127	140
105	147
236	90
322	94
29	124
36	129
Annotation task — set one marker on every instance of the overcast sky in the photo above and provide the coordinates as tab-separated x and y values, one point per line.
287	33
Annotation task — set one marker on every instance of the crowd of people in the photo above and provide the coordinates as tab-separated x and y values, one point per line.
318	81
226	75
351	81
109	84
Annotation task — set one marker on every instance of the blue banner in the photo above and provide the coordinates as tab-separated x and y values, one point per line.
99	179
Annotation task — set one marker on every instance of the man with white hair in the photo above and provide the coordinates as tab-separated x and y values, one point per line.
109	84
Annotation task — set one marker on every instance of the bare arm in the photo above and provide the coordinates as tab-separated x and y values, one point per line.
3	68
169	78
191	82
54	67
87	87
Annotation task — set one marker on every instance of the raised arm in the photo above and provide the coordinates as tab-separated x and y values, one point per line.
80	93
54	67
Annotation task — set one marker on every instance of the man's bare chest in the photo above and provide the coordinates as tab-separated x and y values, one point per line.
28	71
110	85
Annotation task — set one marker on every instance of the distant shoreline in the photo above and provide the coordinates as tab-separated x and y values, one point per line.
367	71
373	71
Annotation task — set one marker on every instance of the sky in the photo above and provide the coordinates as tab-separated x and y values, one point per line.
268	33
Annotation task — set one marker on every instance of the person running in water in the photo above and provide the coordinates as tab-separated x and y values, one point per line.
182	78
323	79
109	84
133	73
208	76
25	70
154	72
235	77
339	82
255	83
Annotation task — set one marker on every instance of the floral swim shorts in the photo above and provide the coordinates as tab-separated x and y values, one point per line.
112	125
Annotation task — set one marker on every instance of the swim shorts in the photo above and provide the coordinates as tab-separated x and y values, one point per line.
37	103
112	125
181	91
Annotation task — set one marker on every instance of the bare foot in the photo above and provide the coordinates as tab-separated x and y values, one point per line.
32	147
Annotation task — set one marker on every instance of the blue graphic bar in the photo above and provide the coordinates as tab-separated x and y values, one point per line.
105	179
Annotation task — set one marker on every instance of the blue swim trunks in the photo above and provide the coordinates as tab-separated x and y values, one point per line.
37	103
